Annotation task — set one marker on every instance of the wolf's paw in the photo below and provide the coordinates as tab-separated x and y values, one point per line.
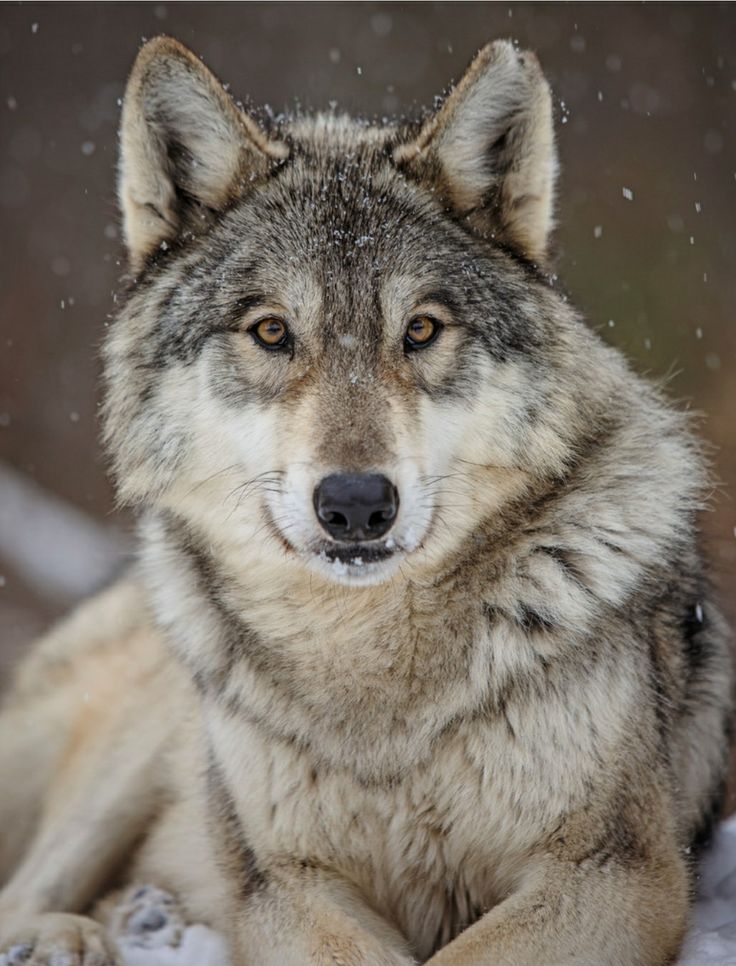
148	917
57	939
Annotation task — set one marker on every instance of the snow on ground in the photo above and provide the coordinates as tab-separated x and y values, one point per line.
712	939
199	947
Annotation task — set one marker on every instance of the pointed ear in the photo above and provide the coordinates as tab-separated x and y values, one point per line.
489	150
186	149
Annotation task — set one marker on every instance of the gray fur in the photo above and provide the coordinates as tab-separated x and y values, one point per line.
497	738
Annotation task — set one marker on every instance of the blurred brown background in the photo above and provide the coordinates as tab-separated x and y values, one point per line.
646	100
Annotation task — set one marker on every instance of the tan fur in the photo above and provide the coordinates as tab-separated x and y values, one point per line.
654	907
494	744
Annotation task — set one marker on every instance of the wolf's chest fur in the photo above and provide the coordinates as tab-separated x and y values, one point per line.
419	743
409	847
432	821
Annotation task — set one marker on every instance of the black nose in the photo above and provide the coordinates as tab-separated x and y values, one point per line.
356	507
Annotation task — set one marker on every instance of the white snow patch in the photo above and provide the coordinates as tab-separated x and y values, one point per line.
200	946
712	938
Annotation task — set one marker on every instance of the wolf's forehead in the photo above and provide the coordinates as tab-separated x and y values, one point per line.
340	190
329	303
334	232
346	206
338	230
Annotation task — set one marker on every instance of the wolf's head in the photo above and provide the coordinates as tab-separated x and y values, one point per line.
338	345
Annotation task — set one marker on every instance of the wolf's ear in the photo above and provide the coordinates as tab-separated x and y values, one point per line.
489	150
186	149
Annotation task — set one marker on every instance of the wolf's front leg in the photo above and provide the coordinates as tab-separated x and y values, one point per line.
619	908
305	916
105	787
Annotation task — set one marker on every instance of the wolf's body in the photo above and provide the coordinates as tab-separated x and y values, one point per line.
493	737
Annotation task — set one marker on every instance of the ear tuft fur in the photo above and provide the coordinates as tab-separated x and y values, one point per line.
186	148
489	150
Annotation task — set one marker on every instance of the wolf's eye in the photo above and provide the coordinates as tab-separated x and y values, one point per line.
421	332
271	332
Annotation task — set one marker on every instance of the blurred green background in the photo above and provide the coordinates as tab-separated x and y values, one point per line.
646	105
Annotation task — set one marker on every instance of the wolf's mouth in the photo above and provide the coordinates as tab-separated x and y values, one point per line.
357	554
357	564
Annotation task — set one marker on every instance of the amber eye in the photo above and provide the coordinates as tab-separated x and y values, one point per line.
421	331
271	332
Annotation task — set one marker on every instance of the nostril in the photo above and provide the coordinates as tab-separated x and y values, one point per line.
379	517
335	519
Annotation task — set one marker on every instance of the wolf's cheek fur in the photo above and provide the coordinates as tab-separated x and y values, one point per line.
232	464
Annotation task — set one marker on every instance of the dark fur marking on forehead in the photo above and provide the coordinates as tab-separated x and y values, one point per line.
441	297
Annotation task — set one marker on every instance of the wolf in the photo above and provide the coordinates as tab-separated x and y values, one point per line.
419	661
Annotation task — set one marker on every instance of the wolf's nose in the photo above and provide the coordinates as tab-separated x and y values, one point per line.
356	507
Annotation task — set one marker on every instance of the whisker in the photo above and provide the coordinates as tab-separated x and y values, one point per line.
212	476
268	476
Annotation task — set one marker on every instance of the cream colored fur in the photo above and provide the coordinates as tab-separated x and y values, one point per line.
494	746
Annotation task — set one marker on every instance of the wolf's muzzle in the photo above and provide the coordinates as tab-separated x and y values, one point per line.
356	507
